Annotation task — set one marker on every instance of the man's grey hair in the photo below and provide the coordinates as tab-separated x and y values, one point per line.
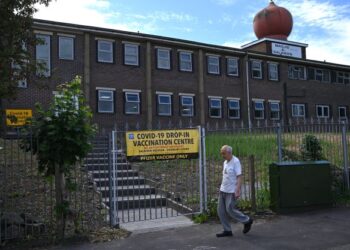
227	148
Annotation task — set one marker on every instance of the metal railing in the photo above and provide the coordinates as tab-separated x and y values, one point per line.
27	197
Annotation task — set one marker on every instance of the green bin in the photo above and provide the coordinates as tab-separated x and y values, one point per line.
300	186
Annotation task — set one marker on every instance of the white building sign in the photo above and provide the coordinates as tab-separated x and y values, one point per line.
286	50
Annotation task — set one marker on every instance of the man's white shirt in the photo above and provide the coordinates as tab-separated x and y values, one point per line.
231	170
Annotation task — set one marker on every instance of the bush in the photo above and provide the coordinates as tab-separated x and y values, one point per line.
311	149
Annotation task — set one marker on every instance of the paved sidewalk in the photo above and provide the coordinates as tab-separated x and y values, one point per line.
326	229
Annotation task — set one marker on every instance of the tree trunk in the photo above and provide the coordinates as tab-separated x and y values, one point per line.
60	215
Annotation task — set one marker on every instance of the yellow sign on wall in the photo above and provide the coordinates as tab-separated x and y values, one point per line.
17	117
149	145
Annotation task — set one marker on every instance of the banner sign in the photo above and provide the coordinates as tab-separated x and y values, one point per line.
150	145
17	117
286	50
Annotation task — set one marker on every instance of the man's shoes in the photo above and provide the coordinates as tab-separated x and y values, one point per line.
224	234
247	226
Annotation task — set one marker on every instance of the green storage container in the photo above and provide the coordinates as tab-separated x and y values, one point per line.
299	186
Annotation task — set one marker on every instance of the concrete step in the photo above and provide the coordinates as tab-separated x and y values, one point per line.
120	173
142	201
134	190
121	181
105	166
91	159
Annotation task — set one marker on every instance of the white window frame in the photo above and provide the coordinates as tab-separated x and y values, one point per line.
215	64
215	107
299	107
258	69
71	39
232	62
345	76
322	73
46	60
99	92
159	103
238	109
183	62
278	111
273	68
190	106
126	101
323	107
99	50
296	69
259	109
135	55
342	118
166	59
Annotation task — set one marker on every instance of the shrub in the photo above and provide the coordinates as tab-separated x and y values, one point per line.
311	149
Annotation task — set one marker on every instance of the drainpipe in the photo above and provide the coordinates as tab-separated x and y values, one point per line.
87	67
149	85
248	91
201	87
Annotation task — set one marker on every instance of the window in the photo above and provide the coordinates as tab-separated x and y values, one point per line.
215	108
131	54
105	51
232	66
322	111
213	65
298	110
342	113
43	55
343	78
259	110
296	72
132	103
66	48
233	108
321	75
105	101
256	69
275	110
187	105
164	105
185	61
163	59
273	72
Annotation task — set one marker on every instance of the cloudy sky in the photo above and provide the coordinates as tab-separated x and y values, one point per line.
323	24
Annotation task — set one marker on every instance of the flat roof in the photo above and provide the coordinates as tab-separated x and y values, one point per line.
40	23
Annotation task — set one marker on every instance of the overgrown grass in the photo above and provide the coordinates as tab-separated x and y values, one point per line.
262	146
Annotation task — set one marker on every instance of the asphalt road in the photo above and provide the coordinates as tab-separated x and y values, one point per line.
326	229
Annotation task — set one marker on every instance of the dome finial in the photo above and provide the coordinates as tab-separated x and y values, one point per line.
273	22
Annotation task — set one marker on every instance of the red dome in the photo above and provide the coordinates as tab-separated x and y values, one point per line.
273	22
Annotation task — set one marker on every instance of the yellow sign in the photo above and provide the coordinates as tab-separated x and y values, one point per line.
17	117
149	145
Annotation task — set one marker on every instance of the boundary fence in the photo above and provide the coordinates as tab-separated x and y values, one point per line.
180	187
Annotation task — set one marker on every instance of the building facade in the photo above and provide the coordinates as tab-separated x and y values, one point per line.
150	81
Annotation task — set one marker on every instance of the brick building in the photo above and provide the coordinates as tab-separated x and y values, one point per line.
153	81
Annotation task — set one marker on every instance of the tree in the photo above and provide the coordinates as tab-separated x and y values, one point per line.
16	35
60	137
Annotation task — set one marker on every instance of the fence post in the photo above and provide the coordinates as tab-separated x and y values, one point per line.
279	142
251	165
345	155
204	164
200	163
113	204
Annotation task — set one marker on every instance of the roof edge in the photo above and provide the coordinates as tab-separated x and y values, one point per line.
266	39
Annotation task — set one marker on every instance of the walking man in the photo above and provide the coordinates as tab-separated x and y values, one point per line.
230	191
